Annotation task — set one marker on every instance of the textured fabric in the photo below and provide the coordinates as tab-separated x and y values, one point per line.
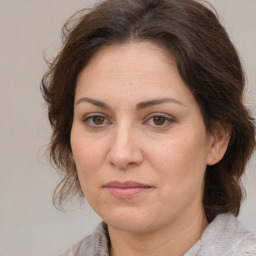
226	237
96	244
223	237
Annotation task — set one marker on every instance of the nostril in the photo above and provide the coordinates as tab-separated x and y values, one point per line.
124	161
131	163
124	151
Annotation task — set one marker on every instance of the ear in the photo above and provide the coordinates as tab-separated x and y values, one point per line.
218	143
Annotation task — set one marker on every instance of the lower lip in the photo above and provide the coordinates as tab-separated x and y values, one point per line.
124	193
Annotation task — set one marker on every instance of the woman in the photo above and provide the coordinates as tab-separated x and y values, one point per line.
145	102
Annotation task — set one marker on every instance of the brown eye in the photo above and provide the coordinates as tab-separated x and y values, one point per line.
98	120
159	120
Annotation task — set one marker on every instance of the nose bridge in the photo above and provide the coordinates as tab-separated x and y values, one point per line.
125	150
124	134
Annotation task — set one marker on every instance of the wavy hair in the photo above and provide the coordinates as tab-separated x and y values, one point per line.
207	62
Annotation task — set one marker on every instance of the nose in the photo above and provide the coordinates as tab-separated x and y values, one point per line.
125	151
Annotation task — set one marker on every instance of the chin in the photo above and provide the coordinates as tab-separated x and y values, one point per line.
133	226
130	220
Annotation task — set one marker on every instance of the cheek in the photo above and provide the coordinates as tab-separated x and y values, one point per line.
88	156
181	161
181	167
87	165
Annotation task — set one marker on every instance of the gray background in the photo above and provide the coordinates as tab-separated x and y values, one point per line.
29	224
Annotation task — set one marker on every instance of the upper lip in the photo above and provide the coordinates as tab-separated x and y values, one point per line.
126	184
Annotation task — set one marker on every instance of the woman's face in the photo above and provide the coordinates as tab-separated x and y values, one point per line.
139	140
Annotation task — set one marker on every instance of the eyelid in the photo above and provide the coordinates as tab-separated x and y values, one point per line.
91	115
168	118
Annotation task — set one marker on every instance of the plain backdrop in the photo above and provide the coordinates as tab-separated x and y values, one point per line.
29	29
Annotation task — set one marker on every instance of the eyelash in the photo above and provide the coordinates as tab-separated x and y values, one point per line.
89	119
167	120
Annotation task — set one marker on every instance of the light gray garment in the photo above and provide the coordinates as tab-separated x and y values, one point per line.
223	237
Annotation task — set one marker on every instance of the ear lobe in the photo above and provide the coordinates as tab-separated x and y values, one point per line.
219	140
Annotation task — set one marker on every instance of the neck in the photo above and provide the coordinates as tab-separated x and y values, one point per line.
175	239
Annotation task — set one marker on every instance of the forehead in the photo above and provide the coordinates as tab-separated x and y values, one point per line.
135	69
134	54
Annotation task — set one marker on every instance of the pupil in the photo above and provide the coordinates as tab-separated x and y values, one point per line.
159	120
98	120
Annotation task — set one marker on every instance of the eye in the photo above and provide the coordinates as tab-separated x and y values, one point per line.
159	120
95	121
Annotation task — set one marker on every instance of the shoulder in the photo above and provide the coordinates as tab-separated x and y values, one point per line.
78	248
239	240
246	246
225	236
95	244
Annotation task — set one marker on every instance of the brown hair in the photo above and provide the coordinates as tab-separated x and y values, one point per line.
207	62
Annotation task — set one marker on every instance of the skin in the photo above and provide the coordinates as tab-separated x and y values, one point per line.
164	144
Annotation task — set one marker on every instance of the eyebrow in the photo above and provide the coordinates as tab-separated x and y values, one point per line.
149	103
94	102
139	106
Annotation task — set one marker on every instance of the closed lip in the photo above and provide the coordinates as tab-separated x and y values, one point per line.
127	189
126	184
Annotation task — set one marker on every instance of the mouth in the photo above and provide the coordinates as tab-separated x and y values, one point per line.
125	190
